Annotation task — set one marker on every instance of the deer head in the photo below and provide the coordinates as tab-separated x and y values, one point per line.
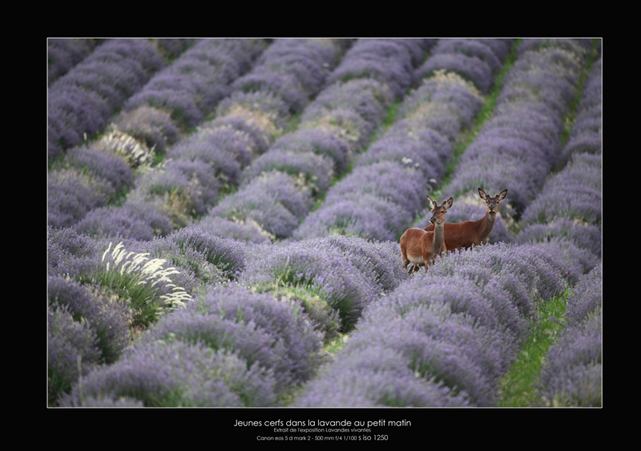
492	203
438	212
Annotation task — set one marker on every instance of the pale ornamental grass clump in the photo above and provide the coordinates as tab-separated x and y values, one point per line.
145	282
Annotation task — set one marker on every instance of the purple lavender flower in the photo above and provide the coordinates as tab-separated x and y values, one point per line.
293	70
150	125
66	242
70	345
81	102
366	97
72	115
445	104
480	48
318	142
581	235
309	168
376	256
428	357
359	214
273	201
108	319
572	373
227	255
309	60
488	304
384	60
103	165
63	54
522	275
282	320
319	266
376	376
72	193
259	139
225	228
181	189
178	374
421	148
587	297
575	192
194	84
282	85
137	220
226	151
470	68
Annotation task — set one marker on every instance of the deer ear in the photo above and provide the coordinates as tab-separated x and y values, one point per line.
448	202
482	194
502	194
432	203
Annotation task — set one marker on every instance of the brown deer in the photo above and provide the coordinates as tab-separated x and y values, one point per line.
468	233
421	247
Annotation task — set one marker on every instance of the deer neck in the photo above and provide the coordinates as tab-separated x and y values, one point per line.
439	236
486	224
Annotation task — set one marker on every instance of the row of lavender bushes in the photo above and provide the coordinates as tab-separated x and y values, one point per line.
568	209
195	81
312	275
211	160
281	186
81	102
102	296
265	340
442	342
520	143
64	54
290	74
444	339
387	188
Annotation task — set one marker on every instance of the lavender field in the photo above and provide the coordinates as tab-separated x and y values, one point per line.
224	215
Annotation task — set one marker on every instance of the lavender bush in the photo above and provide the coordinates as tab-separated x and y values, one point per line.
474	60
587	297
572	375
323	269
382	195
71	351
177	374
63	54
536	94
575	193
72	193
389	61
135	219
81	101
586	130
64	244
274	201
106	317
227	255
274	334
191	87
375	376
249	232
152	126
356	107
526	275
103	165
293	70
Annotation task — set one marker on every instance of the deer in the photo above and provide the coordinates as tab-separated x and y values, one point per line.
421	247
468	233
